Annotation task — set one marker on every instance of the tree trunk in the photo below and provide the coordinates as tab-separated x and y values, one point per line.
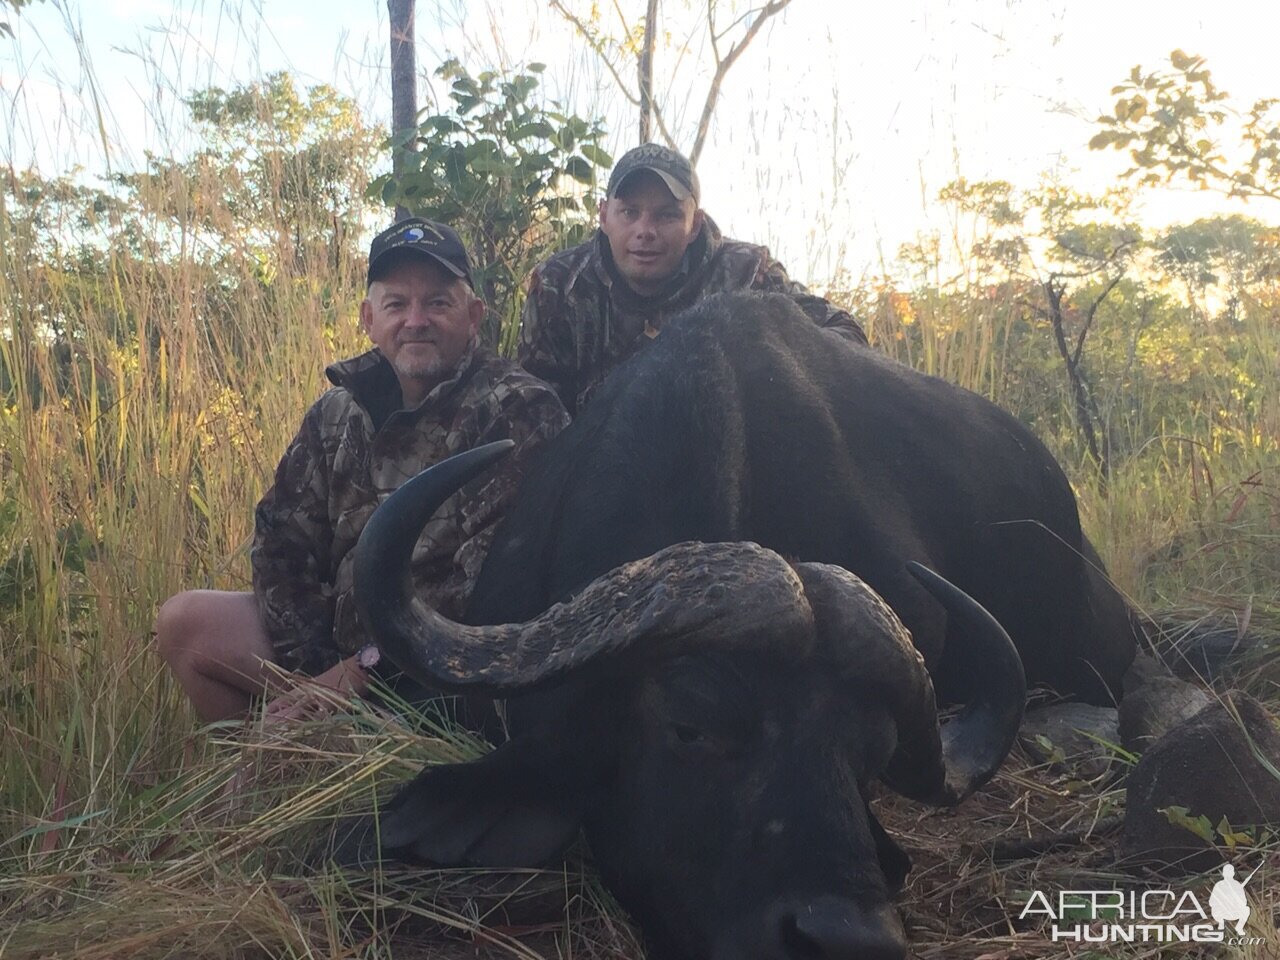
1086	410
404	86
646	71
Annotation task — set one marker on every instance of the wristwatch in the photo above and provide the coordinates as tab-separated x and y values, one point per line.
369	657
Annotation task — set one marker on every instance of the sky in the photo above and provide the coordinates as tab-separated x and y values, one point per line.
833	135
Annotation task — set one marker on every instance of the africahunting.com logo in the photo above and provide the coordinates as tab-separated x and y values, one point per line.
1147	916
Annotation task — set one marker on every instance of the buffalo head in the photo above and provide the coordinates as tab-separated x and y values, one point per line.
712	715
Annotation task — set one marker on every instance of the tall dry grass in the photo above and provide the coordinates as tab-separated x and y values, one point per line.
133	446
132	464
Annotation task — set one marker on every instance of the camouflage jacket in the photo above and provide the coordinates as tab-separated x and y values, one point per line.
355	447
581	320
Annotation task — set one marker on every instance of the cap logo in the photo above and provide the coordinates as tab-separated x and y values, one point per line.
652	151
416	234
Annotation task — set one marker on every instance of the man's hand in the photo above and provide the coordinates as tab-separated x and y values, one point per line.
313	698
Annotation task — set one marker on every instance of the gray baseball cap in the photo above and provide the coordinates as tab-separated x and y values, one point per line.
674	169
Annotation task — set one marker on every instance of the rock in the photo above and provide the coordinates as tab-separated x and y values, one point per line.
1207	648
1155	701
1206	764
1072	734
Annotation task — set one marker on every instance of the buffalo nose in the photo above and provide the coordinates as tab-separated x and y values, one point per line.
831	928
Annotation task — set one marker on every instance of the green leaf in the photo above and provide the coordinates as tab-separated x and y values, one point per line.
455	167
580	170
539	128
403	138
597	156
522	86
481	148
1180	817
1051	751
375	187
536	67
1231	836
199	502
491	164
435	151
69	822
441	124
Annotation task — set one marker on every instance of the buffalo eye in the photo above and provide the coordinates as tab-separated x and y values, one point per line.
687	734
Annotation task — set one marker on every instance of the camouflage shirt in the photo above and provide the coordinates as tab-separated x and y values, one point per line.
581	319
355	447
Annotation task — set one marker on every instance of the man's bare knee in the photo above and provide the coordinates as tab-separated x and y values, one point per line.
215	644
174	622
199	623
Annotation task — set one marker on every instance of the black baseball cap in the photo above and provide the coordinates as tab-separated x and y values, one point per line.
438	241
674	168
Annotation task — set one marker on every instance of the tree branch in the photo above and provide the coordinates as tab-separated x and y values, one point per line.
617	8
743	16
598	47
1085	410
1088	320
711	31
736	50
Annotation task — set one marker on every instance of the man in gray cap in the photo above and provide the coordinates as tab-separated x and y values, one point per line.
656	253
426	391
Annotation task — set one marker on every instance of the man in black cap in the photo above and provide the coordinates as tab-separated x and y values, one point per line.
425	391
656	253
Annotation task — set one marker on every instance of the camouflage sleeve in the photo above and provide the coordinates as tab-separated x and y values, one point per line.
772	278
530	414
547	347
290	555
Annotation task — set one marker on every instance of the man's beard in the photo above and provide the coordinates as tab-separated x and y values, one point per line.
432	368
414	368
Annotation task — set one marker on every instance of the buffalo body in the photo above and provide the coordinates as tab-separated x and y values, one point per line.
713	711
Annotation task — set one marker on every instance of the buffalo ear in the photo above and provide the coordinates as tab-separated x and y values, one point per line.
894	862
514	807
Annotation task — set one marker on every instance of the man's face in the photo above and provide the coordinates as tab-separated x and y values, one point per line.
648	230
422	318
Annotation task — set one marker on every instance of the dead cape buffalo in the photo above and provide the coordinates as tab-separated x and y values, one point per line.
710	712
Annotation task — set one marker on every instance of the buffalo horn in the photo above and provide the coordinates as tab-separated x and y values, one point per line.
929	764
689	594
973	744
